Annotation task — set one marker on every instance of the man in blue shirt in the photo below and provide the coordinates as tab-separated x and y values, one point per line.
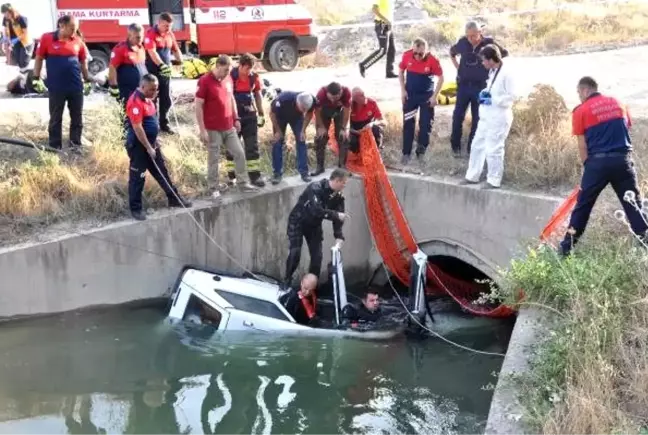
295	109
471	79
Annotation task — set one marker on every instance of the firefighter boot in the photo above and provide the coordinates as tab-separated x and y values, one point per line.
320	154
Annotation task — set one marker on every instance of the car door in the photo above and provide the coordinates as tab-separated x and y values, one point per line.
257	18
215	26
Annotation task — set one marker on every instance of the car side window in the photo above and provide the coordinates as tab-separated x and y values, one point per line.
252	305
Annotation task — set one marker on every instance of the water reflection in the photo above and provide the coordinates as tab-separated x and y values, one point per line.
124	373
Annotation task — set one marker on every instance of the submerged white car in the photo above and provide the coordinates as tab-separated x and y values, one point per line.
249	303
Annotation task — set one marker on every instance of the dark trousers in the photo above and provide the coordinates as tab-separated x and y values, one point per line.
616	169
301	152
250	136
163	100
57	101
140	162
412	105
296	235
385	47
354	139
467	95
335	115
21	55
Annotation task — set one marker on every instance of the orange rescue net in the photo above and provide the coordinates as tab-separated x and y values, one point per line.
394	239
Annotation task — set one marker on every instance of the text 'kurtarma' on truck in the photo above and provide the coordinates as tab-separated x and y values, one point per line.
276	31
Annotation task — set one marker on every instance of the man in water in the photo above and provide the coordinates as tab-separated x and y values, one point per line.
320	200
300	303
367	311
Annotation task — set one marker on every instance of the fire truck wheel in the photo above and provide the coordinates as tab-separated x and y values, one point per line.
266	64
99	62
283	55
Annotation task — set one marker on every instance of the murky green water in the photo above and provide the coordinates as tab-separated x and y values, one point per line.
122	371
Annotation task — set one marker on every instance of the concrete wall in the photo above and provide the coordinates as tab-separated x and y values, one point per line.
485	228
135	260
124	261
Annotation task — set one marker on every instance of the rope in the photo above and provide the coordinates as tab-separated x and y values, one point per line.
411	315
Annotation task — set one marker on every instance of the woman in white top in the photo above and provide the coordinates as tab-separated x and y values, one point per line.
495	119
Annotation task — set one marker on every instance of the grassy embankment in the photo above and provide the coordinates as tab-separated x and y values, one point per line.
590	373
585	25
39	189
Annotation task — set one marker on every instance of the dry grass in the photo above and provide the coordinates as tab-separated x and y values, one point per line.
327	12
590	373
39	189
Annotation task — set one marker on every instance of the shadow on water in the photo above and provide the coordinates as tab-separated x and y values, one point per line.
122	370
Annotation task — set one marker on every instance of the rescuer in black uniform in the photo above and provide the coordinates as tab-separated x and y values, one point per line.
249	102
300	302
320	200
367	311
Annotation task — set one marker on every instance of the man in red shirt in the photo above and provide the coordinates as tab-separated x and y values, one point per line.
249	102
418	92
365	114
143	148
65	57
219	123
333	104
159	43
127	65
602	125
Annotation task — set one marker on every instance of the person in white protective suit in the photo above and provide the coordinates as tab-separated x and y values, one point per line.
495	119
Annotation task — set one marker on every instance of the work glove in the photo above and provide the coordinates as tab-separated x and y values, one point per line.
483	96
39	85
261	121
114	92
165	70
87	88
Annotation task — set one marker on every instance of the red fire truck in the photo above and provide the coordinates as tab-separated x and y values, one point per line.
276	31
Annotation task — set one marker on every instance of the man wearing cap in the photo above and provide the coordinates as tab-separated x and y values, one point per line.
471	79
294	109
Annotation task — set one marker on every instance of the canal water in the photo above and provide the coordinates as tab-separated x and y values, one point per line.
123	371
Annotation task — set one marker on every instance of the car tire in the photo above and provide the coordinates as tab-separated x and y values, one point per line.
99	62
283	55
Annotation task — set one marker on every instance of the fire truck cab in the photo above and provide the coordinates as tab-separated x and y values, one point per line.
278	32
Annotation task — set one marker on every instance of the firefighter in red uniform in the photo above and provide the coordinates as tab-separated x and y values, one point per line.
127	65
417	69
65	57
333	104
159	42
249	103
143	150
602	125
365	114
